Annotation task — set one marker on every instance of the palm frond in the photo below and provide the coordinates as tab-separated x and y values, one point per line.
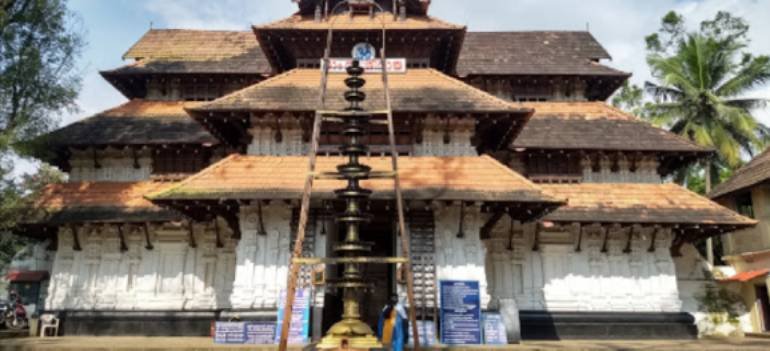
754	73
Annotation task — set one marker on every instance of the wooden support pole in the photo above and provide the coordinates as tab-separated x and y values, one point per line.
606	238
75	239
579	245
460	232
218	235
191	231
123	246
652	239
627	249
536	243
261	226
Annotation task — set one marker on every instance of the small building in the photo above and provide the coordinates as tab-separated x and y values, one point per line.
747	251
182	203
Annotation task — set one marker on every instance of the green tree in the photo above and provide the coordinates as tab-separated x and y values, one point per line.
701	81
38	81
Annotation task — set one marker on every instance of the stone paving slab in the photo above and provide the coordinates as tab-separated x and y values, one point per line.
206	344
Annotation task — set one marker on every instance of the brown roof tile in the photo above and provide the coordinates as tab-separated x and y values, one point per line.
479	178
137	122
418	90
99	202
752	173
595	126
183	51
533	53
359	22
639	204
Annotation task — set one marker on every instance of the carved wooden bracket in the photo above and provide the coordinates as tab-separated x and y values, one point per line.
75	239
218	235
486	229
123	246
147	243
261	225
191	232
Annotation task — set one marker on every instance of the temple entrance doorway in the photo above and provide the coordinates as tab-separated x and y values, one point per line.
763	304
381	232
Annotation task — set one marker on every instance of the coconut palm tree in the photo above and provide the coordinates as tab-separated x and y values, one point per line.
700	94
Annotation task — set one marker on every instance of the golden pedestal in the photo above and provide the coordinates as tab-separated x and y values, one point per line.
351	333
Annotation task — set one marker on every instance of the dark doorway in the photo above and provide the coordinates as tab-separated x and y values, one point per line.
763	304
381	233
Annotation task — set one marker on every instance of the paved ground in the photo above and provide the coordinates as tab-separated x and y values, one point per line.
143	343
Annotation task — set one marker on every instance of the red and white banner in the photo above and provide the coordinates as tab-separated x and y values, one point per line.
394	65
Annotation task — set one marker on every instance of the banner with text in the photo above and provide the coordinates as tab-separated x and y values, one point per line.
394	65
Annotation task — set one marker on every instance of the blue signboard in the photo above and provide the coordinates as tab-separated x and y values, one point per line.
260	333
494	329
229	333
300	317
460	312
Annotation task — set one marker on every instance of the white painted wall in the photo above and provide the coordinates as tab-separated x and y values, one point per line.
460	258
116	166
172	276
646	172
557	278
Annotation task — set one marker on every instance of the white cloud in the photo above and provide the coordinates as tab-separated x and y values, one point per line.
220	14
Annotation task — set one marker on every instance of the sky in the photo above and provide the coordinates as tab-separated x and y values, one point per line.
111	27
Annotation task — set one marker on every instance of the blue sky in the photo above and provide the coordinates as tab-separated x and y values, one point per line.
111	27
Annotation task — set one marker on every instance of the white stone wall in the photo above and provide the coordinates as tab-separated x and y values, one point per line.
264	142
114	165
434	142
461	258
557	278
262	260
646	172
171	276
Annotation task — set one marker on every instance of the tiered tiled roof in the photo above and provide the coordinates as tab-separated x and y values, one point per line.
753	173
119	202
417	90
533	53
422	178
182	51
595	126
664	204
345	22
137	122
419	7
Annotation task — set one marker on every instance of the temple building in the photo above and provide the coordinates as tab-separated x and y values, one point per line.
745	254
182	203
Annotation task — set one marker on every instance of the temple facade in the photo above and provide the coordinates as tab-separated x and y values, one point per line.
182	203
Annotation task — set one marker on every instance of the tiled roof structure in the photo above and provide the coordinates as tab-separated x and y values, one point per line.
417	90
195	51
639	204
77	202
137	122
346	22
422	178
754	172
595	126
413	6
533	53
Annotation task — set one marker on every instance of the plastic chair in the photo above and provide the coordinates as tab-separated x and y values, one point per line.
49	321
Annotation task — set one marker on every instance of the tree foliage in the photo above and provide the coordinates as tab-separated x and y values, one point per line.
38	81
701	79
38	49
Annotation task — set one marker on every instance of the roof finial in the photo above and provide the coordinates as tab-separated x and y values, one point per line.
588	26
151	25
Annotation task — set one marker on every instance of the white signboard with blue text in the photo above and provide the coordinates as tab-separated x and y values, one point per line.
494	329
229	333
300	317
460	312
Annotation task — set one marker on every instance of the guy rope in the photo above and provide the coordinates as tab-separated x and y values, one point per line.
322	115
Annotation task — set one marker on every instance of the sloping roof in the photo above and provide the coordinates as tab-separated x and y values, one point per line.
743	277
533	53
417	90
78	202
344	22
595	126
195	51
752	173
137	122
631	203
187	44
478	178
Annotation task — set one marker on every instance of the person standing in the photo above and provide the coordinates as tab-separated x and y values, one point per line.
392	326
